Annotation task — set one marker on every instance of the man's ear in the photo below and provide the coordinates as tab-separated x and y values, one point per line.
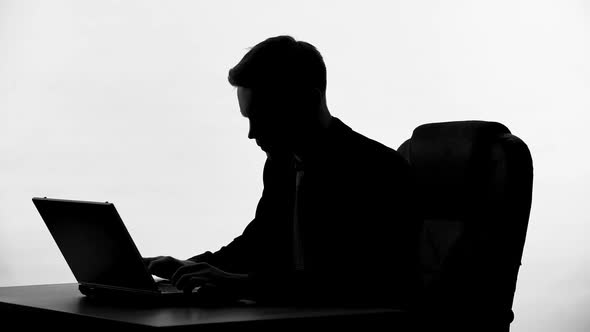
310	98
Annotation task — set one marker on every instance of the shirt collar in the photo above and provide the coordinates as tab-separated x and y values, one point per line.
322	147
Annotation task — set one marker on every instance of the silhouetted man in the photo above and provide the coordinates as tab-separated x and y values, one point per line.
334	223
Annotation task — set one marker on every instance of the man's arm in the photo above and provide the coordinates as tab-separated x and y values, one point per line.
371	252
236	257
230	270
233	257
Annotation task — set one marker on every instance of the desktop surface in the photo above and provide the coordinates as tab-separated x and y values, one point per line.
63	303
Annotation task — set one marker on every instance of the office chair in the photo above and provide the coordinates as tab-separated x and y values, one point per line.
474	189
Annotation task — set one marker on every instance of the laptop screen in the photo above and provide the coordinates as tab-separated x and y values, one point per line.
95	243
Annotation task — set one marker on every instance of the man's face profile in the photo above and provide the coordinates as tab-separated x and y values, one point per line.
270	123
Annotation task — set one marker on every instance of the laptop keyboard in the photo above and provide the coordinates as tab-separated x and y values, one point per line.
167	287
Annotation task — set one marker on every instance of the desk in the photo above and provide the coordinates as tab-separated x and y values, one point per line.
61	306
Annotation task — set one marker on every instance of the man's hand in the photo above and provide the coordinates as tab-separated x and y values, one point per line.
210	277
164	266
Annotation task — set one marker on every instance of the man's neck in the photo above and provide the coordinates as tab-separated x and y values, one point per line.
312	146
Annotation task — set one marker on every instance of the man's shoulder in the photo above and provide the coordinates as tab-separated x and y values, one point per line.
364	149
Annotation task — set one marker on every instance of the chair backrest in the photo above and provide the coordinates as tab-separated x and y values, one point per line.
474	187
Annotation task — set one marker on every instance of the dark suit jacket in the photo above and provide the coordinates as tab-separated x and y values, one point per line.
360	235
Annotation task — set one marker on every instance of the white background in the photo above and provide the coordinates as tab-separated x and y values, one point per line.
128	101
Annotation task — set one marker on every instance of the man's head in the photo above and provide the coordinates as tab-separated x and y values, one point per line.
282	91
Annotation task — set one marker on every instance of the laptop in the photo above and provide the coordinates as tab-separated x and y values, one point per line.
99	250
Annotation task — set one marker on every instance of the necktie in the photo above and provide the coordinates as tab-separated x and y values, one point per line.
298	250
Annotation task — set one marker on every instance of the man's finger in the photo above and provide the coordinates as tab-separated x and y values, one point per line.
148	260
152	267
185	270
192	282
157	263
185	278
163	266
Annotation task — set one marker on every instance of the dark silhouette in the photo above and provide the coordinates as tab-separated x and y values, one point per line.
335	221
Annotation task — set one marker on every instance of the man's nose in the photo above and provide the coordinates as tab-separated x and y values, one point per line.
251	133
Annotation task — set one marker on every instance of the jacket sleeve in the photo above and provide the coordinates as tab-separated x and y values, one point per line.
236	257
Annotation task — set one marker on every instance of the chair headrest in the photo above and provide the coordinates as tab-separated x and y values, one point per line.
451	163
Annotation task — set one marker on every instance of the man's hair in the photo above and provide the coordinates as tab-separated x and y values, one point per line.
280	62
